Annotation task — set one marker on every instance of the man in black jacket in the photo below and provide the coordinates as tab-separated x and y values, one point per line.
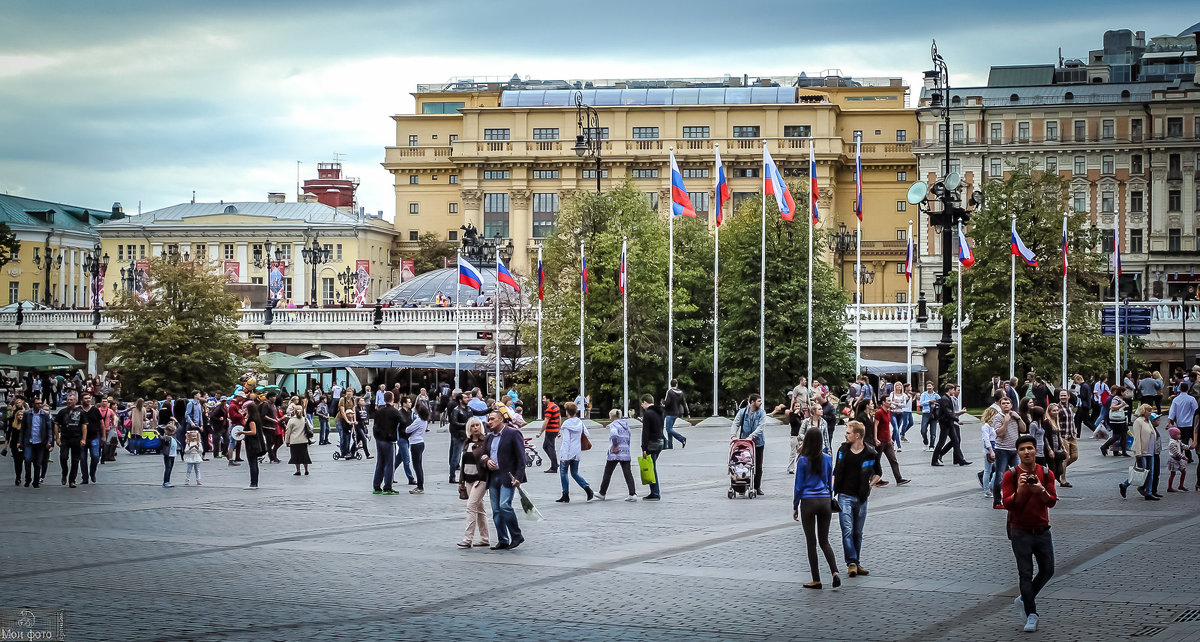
36	435
505	462
652	440
457	416
948	424
856	470
675	406
70	435
386	431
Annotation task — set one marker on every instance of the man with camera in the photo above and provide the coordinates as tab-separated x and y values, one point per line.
1028	491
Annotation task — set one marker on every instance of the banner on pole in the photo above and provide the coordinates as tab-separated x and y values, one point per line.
408	269
141	280
233	271
275	282
362	270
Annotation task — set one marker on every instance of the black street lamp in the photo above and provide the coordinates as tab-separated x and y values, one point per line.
347	278
95	265
51	262
262	258
843	242
315	255
588	140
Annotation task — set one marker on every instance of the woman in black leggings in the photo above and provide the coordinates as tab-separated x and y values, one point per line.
812	504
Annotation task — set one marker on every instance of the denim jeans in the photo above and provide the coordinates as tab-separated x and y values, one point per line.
418	451
345	437
385	465
906	422
324	429
403	456
853	519
168	466
572	467
93	457
654	487
1026	546
1150	463
928	428
253	462
456	448
669	431
503	515
34	458
1005	459
989	469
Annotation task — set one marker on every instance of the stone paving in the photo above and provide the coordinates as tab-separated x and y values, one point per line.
321	558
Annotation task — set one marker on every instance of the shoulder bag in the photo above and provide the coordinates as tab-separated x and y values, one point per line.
584	442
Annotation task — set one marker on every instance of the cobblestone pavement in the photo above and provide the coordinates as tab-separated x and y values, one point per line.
321	558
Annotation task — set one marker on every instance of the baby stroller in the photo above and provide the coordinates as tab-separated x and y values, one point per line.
147	442
532	456
741	468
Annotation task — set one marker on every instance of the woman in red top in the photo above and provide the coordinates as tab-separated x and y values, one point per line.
883	435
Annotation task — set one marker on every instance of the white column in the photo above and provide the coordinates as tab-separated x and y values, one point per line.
69	269
92	361
243	263
62	280
299	275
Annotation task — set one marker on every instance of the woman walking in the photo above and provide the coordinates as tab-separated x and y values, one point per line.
618	454
1145	450
570	448
298	430
252	435
473	484
812	504
1118	420
416	445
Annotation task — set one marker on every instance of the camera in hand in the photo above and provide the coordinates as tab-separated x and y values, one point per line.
1031	479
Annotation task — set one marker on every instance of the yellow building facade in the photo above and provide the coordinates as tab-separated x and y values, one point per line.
55	240
499	155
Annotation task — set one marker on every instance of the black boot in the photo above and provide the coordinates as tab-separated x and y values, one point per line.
564	499
590	494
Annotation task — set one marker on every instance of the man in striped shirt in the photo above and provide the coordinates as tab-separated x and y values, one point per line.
551	420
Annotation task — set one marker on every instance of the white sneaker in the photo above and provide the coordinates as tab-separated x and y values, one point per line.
987	493
252	487
631	498
600	497
1031	623
1020	606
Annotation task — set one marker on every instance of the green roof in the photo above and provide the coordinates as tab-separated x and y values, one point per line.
1021	76
27	213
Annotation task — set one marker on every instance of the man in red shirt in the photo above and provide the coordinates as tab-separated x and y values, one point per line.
1028	491
551	421
883	435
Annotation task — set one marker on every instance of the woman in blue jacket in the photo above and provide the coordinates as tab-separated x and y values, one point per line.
812	504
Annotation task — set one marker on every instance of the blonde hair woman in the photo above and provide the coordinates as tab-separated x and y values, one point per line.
473	484
1146	450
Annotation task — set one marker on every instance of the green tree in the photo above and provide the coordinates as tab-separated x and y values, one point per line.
431	253
184	337
786	304
9	245
1038	200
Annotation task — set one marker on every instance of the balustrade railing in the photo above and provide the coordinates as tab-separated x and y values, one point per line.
891	312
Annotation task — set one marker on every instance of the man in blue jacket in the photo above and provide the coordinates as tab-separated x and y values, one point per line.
505	461
748	425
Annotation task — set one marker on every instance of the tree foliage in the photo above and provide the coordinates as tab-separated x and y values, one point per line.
184	337
9	245
1038	201
431	253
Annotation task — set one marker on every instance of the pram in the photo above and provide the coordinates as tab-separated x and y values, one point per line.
741	468
532	456
147	442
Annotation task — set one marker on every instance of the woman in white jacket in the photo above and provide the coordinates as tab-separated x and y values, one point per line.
570	446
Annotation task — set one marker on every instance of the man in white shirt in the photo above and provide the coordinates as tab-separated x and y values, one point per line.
336	392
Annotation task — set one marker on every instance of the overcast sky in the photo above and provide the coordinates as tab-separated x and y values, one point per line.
121	100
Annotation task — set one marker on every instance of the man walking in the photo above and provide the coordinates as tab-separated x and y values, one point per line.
883	437
949	426
69	435
1182	415
93	423
551	422
1028	494
747	424
854	473
35	434
505	461
387	418
457	415
347	407
403	448
675	406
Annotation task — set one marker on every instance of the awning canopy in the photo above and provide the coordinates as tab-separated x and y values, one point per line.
388	358
876	367
37	360
291	364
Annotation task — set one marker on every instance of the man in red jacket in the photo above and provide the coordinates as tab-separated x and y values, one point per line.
1028	491
883	435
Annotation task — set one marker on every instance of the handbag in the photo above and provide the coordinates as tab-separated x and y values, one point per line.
1137	476
462	491
584	442
646	468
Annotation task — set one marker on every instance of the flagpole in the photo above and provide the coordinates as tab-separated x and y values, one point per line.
812	228
762	286
1116	268
457	321
958	314
857	291
582	264
1064	304
539	313
625	325
908	308
497	337
716	273
671	284
1012	302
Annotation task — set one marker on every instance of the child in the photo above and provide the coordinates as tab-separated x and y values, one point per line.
193	454
1176	463
169	450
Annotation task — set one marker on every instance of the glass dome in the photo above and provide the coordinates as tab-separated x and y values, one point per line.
423	288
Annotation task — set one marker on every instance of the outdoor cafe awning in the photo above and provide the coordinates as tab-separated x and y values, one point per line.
37	360
877	367
388	358
289	364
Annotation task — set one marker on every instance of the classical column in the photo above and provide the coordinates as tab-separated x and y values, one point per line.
520	228
299	275
472	208
92	362
243	262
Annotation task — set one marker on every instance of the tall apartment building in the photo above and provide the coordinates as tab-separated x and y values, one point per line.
1122	128
498	154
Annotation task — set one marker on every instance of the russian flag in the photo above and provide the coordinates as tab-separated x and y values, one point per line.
582	270
622	281
858	178
965	255
1019	249
908	257
722	190
541	281
681	203
776	187
812	182
1115	264
504	276
468	275
1065	247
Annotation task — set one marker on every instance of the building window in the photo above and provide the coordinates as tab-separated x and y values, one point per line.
121	253
1175	128
695	132
956	166
901	206
454	179
745	172
1135	241
412	179
545	214
745	131
453	138
1107	165
901	177
1174	240
857	135
495	134
942	132
452	235
1080	201
1080	165
645	132
495	174
1107	238
1174	200
452	208
695	173
956	132
14	291
414	208
545	133
901	135
1108	129
545	174
652	200
326	289
901	297
902	235
1174	167
338	252
1023	132
1106	201
644	172
590	132
995	167
1196	207
412	140
1052	130
591	173
797	131
1135	164
413	235
997	133
1196	134
256	280
35	293
1136	201
1135	129
200	251
495	215
1080	130
1052	164
699	203
899	270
